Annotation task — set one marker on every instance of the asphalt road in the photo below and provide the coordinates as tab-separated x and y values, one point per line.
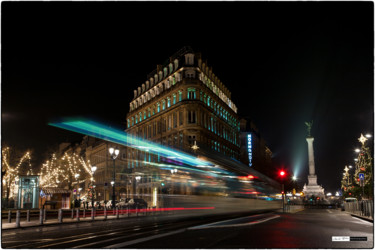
312	228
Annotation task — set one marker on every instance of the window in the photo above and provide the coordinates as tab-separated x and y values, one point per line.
169	122
128	123
173	80
153	110
205	99
163	104
208	101
165	72
132	121
175	64
136	119
149	112
168	102
191	139
181	116
201	95
144	115
158	107
175	120
140	116
170	68
191	93
174	99
179	95
191	117
164	125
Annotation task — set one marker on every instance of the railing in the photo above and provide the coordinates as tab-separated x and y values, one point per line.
361	208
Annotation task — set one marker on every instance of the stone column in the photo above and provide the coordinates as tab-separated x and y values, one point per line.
310	141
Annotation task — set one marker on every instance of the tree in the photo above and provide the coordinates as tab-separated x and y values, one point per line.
12	166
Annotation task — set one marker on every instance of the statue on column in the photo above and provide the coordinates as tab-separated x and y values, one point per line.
309	126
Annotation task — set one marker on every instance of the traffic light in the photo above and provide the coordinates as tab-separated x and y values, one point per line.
282	173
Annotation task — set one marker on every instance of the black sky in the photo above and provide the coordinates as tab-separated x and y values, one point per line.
284	62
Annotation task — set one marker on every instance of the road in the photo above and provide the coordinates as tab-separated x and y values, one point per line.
311	228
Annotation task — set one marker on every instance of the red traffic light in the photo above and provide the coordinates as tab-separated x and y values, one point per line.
282	173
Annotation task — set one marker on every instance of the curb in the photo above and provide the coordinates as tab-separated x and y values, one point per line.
362	218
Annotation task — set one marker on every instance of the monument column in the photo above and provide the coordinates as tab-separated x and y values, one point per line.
310	148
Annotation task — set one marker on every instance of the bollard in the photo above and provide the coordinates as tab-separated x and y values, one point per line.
41	216
136	210
28	215
105	213
117	215
60	216
92	213
9	216
77	214
72	213
18	218
45	214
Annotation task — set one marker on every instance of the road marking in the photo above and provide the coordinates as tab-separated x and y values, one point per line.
329	211
132	242
217	224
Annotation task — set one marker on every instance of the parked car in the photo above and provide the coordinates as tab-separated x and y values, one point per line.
123	202
109	204
140	203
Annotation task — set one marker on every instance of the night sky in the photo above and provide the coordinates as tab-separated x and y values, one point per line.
284	62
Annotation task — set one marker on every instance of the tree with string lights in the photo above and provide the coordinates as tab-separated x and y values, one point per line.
12	166
364	168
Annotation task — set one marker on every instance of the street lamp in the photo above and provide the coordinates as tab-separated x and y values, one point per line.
93	169
114	152
137	178
76	176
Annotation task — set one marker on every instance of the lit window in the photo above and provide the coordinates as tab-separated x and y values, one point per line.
149	112
180	96
163	104
208	101
158	107
144	115
128	123
174	99
132	121
168	102
191	93
136	119
140	116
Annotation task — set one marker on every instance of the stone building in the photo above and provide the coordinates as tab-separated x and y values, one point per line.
181	103
254	151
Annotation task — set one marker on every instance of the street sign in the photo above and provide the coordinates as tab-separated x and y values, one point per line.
361	176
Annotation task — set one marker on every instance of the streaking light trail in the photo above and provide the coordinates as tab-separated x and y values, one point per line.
117	136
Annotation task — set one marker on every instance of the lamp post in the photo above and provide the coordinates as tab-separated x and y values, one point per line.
137	178
114	152
76	176
93	169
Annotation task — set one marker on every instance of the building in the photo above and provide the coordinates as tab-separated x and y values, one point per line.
254	151
181	103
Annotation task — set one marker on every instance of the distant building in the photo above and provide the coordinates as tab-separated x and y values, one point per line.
253	151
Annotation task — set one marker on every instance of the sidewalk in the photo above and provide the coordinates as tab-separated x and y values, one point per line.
49	222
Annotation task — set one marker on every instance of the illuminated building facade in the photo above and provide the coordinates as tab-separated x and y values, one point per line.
181	102
254	152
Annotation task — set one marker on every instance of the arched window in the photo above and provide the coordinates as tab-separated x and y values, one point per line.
175	64
165	72
144	115
136	119
170	68
158	107
163	105
168	102
153	110
160	75
174	99
208	101
179	95
140	116
149	112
